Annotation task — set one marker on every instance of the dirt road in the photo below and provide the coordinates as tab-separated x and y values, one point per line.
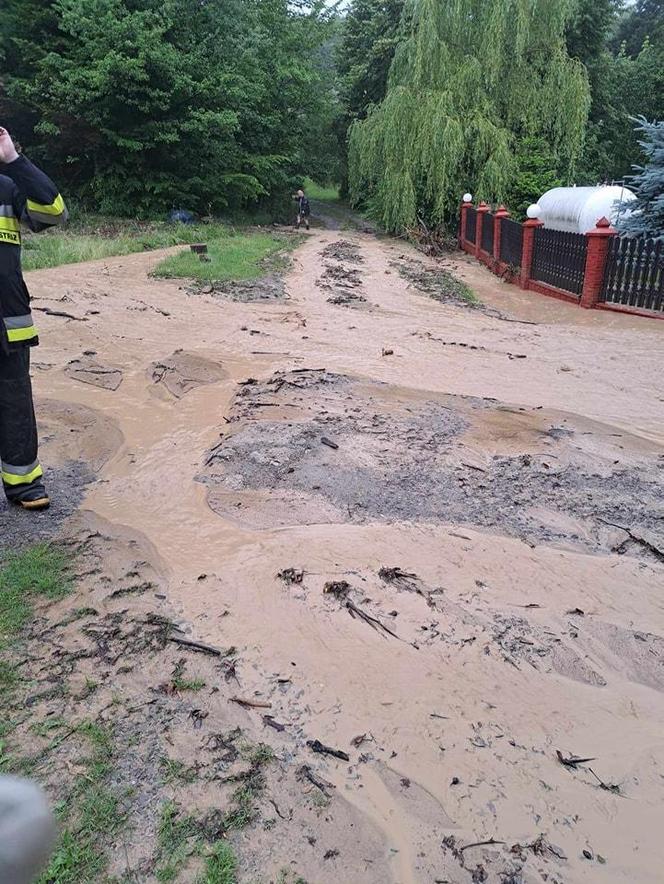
465	505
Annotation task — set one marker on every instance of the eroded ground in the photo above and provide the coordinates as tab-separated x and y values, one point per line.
422	532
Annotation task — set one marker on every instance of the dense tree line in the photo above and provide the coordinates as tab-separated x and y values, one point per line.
218	105
505	99
138	105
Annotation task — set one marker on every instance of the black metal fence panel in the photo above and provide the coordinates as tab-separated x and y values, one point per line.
487	233
471	224
511	242
634	273
559	259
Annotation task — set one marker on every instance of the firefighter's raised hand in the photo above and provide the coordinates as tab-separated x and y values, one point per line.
8	152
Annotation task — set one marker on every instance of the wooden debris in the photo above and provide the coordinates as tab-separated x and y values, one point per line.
330	444
322	749
268	721
305	773
373	622
480	844
251	704
49	312
573	761
201	647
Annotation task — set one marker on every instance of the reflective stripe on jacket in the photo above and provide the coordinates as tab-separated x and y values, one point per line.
27	196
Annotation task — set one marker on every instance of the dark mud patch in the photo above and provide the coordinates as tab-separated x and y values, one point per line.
343	250
337	275
88	370
182	372
343	283
75	443
404	457
443	286
347	299
267	288
65	486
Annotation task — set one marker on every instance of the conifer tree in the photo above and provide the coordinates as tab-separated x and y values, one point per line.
648	216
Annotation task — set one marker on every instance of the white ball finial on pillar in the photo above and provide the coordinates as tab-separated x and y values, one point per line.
534	211
467	197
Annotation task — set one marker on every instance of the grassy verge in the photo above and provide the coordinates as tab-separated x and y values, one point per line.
37	571
236	256
317	192
92	763
91	239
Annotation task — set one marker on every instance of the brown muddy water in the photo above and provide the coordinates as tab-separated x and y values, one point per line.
432	533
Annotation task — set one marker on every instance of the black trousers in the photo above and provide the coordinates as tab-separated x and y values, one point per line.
21	472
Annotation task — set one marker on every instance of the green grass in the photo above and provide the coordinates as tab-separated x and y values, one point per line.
90	818
91	239
174	771
37	571
317	192
188	684
176	842
233	256
220	866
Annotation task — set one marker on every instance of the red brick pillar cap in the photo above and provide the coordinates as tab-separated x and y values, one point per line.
483	207
501	210
602	228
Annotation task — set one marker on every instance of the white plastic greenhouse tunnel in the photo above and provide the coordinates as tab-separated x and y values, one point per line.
578	209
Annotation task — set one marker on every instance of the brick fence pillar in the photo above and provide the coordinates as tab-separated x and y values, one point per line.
598	248
498	230
482	210
464	222
529	228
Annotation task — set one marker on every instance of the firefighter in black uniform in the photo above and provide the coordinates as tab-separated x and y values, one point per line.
26	196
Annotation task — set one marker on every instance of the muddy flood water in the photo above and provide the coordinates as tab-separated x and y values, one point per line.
428	535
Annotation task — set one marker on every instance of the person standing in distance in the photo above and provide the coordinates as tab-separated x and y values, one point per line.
303	209
27	196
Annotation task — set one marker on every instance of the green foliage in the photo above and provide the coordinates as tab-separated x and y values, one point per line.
535	172
648	216
220	866
137	105
644	20
468	82
234	256
626	79
369	39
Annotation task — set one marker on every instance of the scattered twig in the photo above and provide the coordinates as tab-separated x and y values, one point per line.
573	761
305	772
251	704
655	550
49	312
608	787
373	622
268	721
330	444
322	749
201	647
279	813
480	844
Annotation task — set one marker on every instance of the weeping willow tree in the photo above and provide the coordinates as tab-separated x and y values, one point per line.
470	81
